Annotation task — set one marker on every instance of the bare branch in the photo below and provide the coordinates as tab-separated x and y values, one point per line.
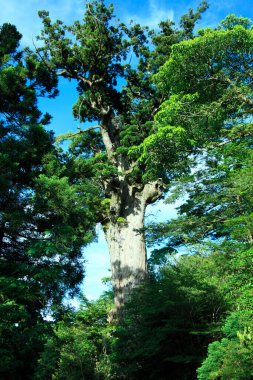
87	129
108	143
69	135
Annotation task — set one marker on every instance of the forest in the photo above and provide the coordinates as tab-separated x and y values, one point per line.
170	116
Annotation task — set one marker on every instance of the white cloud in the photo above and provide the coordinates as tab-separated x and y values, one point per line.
25	15
155	13
159	13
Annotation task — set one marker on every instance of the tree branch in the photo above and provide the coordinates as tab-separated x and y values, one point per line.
243	134
68	135
108	142
87	129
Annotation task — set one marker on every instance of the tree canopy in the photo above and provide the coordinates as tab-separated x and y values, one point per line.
113	65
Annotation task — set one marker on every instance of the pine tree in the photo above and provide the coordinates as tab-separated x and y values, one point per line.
40	244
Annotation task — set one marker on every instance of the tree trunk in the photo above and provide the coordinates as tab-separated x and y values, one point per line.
124	224
125	238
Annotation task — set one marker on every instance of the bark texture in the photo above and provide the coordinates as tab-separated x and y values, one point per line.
125	238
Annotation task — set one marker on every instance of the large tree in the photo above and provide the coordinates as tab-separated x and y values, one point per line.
113	64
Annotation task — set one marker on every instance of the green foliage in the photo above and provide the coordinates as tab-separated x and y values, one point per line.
121	220
231	358
95	54
164	329
43	225
169	322
231	21
209	82
81	344
213	71
24	291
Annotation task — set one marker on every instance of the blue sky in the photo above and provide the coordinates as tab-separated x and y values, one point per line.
148	12
24	13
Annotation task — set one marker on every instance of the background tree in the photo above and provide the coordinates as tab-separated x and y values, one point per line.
170	321
40	241
217	215
82	344
113	65
213	223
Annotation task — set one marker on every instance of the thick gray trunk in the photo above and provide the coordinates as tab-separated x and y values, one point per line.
124	222
125	238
